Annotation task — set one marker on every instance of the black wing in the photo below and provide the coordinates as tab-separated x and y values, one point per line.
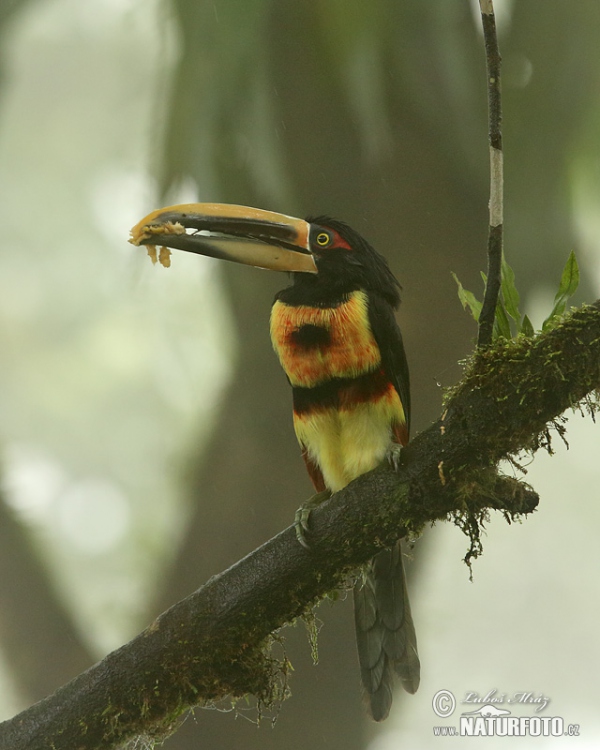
385	633
389	340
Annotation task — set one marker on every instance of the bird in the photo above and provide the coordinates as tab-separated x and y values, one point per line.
335	334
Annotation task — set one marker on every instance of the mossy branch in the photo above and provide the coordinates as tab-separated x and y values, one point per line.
214	642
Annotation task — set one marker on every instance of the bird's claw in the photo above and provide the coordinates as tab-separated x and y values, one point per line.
301	525
301	519
393	456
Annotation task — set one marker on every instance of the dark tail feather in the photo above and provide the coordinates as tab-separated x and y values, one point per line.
385	633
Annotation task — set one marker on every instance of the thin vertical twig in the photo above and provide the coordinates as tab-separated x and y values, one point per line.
494	271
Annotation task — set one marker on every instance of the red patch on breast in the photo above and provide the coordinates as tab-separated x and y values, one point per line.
369	387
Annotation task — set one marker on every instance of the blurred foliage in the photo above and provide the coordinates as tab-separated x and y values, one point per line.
224	98
9	7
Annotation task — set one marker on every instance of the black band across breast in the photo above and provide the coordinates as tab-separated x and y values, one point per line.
341	393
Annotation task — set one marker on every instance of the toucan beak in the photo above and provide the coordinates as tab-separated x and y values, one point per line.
245	235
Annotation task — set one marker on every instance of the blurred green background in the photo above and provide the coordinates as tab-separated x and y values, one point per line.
146	439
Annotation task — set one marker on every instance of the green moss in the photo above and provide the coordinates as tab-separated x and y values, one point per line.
312	630
522	386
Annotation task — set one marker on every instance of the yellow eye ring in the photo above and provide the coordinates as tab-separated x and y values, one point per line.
323	239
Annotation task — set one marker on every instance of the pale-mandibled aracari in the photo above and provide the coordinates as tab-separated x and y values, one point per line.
337	339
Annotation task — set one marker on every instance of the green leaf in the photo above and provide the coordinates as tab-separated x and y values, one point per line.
510	295
501	323
569	281
468	299
526	327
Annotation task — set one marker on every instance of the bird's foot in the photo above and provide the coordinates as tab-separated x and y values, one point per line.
303	514
393	456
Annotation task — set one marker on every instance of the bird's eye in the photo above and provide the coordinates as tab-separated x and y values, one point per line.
323	239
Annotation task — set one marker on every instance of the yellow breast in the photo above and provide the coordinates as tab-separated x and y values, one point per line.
345	443
344	348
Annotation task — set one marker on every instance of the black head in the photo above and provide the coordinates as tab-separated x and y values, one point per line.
345	262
